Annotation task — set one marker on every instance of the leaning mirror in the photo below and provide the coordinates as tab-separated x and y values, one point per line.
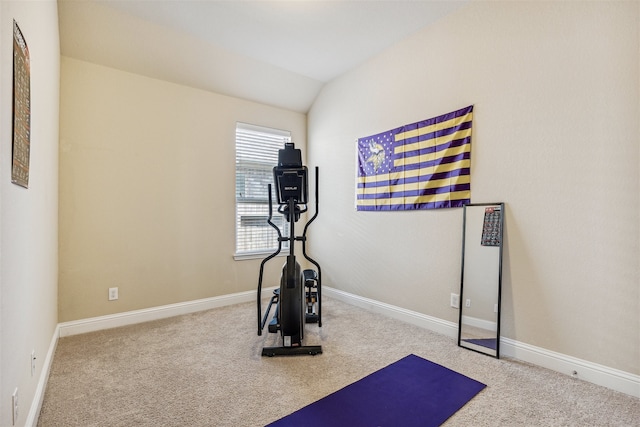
481	278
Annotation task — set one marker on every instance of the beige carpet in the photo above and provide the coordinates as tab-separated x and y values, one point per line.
205	369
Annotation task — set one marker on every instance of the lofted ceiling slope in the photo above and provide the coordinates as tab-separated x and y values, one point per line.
279	53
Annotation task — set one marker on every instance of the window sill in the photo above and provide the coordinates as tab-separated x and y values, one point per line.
257	255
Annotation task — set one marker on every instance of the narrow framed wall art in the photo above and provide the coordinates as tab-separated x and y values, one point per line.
21	147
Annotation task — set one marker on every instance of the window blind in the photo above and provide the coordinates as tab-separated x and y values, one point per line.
256	155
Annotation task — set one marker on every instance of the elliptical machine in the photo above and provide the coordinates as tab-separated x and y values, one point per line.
298	299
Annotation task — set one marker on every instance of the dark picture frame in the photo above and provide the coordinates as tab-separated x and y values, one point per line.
21	148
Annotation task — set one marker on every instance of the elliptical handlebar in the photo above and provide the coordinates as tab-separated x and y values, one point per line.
304	231
304	250
264	261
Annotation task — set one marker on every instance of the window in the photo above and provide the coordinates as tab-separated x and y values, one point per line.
256	155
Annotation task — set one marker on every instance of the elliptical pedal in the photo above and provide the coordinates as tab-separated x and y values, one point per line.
310	282
274	326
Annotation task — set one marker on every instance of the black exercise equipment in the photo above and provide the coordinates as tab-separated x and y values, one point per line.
298	299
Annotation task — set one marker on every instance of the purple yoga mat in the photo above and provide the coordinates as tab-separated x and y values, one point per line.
410	392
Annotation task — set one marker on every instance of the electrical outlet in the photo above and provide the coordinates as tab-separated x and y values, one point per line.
467	303
455	300
14	405
113	294
33	362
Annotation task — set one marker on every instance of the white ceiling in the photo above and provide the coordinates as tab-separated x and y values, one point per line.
274	52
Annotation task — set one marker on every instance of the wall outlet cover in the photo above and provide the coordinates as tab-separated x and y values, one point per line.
455	300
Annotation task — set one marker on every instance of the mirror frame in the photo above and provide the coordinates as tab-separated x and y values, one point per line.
470	346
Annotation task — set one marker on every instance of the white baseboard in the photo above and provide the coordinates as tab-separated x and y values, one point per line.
592	372
41	387
92	324
440	326
614	379
598	374
487	325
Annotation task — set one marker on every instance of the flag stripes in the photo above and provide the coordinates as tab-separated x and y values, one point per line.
424	165
419	183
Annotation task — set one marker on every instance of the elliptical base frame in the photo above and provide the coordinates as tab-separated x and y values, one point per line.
292	351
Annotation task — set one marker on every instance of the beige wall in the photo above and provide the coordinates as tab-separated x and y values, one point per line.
556	136
28	217
147	184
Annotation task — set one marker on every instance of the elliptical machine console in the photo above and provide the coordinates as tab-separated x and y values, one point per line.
298	299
